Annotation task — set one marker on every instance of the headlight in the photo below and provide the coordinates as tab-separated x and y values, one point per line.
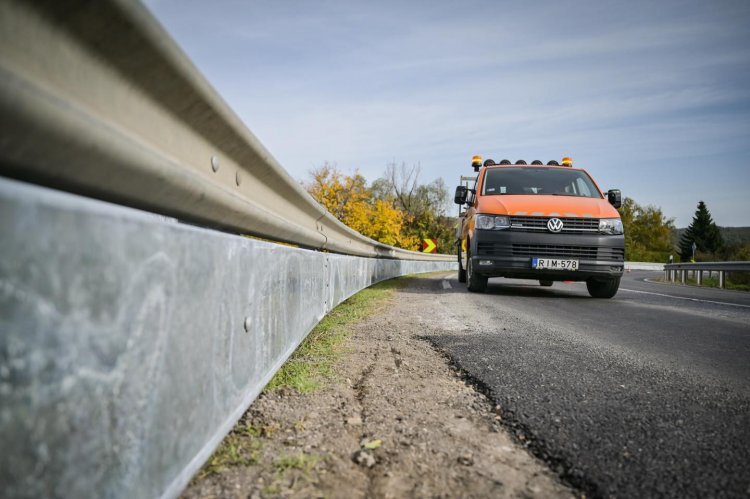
610	226
490	222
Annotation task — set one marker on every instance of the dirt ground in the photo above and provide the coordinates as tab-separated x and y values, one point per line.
398	421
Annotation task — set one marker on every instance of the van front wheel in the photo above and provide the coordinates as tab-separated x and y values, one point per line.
474	282
603	288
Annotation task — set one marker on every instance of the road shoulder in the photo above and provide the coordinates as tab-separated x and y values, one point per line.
397	421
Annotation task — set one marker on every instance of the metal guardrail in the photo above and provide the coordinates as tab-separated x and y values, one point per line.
673	270
98	100
643	266
130	343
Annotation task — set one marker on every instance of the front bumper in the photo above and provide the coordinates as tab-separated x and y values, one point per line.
509	253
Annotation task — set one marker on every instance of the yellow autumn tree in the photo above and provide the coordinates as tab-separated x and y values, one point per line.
337	192
348	198
389	226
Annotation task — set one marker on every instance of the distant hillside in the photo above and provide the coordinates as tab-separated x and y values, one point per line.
731	235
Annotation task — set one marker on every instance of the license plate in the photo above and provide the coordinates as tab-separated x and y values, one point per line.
553	264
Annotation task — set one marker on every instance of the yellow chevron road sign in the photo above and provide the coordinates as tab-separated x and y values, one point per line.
429	246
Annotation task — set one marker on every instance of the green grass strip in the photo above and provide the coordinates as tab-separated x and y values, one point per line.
311	365
710	282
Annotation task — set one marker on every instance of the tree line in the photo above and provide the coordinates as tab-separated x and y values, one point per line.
652	237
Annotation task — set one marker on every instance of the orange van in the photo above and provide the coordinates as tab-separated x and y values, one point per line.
543	222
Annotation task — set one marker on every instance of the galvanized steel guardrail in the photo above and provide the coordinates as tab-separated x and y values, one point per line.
98	100
643	266
131	342
679	271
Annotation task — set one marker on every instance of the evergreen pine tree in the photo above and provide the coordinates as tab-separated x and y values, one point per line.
703	232
686	244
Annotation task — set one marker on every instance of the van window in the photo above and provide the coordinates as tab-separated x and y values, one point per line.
538	181
583	188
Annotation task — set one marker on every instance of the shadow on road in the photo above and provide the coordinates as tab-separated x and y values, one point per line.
498	287
535	290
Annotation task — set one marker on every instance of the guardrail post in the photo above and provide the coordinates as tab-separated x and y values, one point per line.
683	276
699	277
722	276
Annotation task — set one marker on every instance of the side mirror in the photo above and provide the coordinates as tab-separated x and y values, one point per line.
614	197
461	193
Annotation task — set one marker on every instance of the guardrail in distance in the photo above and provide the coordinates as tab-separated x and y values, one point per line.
673	270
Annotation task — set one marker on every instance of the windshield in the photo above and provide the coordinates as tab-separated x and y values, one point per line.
540	181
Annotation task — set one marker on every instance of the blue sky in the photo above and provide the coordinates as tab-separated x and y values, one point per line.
650	97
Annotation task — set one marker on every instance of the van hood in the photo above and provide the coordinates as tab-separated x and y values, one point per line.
546	206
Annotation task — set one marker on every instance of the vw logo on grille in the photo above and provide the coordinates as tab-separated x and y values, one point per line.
554	225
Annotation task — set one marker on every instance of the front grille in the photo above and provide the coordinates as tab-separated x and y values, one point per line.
551	250
616	254
493	249
570	225
585	252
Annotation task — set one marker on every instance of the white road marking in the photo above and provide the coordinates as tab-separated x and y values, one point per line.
446	284
685	298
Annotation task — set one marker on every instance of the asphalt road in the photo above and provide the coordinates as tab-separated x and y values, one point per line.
643	395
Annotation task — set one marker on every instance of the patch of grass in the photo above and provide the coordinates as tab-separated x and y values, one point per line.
728	284
271	490
300	461
247	429
711	282
312	363
240	448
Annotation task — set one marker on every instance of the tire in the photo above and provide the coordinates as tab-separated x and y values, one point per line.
461	269
603	288
545	283
474	282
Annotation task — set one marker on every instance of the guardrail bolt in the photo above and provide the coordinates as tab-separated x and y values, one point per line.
215	163
248	324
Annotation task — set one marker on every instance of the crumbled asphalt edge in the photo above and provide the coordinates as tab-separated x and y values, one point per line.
521	434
